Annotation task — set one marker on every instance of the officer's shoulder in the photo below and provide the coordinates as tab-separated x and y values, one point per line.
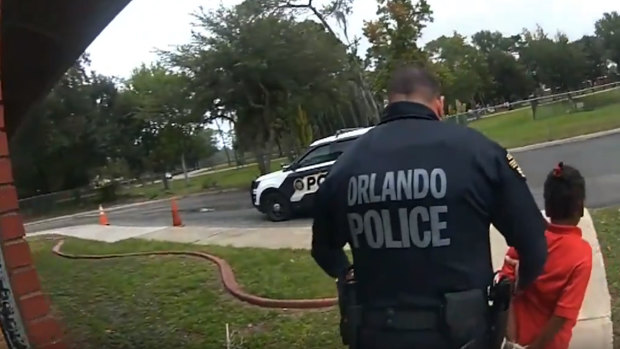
473	140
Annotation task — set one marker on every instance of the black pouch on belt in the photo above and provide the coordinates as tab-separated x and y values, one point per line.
465	315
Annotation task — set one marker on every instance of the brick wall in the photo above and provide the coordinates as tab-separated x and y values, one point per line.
33	318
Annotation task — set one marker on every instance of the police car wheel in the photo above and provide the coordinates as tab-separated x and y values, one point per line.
277	207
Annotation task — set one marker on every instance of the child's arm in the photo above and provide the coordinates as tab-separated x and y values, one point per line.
552	327
508	270
569	304
511	327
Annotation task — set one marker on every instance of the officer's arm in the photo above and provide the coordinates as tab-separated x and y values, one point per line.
518	219
327	241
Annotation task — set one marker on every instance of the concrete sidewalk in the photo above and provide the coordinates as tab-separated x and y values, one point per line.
102	233
594	329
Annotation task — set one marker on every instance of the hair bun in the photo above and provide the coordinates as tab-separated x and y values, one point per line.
559	169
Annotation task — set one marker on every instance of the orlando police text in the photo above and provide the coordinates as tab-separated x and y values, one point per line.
420	226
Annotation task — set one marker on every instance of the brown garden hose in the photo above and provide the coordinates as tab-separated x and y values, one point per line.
227	276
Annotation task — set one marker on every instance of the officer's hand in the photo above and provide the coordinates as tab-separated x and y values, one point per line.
346	276
350	275
515	264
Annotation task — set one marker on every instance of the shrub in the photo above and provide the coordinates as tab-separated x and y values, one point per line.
208	183
109	191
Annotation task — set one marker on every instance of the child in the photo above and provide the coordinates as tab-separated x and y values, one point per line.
544	314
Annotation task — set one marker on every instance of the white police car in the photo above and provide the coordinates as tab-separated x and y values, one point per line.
283	193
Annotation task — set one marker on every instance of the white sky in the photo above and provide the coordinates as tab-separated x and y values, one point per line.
148	24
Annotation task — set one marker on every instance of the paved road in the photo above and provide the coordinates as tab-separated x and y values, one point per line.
231	209
598	159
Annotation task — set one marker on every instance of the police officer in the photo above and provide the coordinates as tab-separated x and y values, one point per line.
414	198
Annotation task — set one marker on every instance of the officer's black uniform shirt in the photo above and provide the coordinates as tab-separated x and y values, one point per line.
415	197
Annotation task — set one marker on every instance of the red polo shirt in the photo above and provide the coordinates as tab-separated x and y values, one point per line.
559	290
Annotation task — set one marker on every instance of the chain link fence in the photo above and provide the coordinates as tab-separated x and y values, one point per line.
60	202
555	104
115	191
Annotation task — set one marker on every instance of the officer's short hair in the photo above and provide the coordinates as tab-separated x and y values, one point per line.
412	80
564	192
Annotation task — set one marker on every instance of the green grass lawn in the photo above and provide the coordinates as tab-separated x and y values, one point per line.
235	178
178	302
607	222
518	128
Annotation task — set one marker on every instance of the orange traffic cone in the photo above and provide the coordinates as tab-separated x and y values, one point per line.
176	217
103	218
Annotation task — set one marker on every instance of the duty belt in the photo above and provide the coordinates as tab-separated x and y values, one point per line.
412	320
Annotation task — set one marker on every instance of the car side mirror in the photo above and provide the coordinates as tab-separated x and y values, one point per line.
292	167
285	166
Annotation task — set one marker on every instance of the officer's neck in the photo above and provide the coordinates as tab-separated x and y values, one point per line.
396	98
401	98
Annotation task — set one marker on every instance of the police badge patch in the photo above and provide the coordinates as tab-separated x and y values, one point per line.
514	165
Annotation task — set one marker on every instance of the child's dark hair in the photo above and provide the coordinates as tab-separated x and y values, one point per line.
565	191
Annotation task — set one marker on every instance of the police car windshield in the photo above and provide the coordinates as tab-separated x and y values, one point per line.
323	153
314	156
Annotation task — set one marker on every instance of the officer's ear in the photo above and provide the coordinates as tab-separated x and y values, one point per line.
439	107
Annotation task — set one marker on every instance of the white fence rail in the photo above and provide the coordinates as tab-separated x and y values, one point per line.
490	111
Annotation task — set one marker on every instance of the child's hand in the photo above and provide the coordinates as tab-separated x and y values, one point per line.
535	346
515	264
513	345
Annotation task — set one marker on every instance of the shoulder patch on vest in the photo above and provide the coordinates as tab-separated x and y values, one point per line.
512	162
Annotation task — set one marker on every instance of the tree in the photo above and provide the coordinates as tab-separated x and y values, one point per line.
393	38
304	130
128	140
487	41
224	138
67	141
163	101
595	55
361	98
201	145
463	70
556	63
608	29
508	78
255	67
511	81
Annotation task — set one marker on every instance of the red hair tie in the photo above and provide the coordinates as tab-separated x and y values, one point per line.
557	171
